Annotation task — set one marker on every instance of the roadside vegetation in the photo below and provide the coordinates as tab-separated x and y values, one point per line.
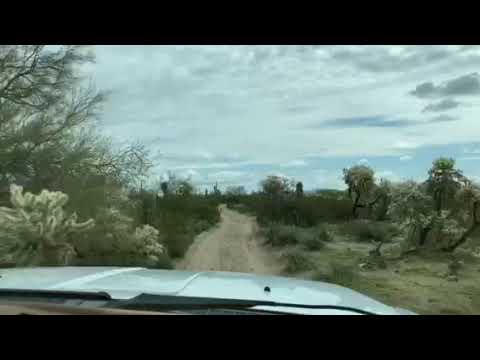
68	194
387	240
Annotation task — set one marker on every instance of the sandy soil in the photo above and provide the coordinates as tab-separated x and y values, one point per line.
233	245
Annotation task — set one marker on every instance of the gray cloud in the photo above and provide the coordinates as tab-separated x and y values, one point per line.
160	139
380	121
469	47
463	85
377	121
381	59
442	118
300	109
443	105
199	157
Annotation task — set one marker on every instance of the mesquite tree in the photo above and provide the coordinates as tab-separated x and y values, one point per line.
275	186
360	181
48	115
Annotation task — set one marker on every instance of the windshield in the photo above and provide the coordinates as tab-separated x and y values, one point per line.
342	165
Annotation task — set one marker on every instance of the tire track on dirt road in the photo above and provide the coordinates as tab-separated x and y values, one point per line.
232	245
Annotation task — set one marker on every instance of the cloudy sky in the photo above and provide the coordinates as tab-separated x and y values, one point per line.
235	114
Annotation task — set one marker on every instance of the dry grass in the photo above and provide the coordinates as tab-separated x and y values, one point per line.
415	282
297	261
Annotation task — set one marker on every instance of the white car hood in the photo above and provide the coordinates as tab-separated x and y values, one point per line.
125	283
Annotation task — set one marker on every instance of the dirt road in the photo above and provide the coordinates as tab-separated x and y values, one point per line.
233	245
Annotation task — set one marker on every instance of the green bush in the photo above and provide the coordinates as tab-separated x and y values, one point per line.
199	226
297	262
360	230
178	218
112	241
281	235
122	258
177	241
323	233
314	239
364	230
311	238
164	262
339	274
110	252
304	211
313	243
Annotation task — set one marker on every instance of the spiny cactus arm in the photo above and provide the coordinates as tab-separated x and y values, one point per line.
72	224
29	200
10	215
58	213
49	233
7	211
40	228
41	200
77	227
25	216
16	197
60	199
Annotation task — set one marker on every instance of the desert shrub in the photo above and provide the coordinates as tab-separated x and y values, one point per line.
281	235
363	230
123	258
306	211
297	262
314	239
359	230
323	233
238	207
178	218
154	210
383	232
116	241
312	243
199	226
178	243
339	274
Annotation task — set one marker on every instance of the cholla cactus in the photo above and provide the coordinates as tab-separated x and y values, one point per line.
146	238
410	205
446	229
36	229
412	209
415	209
469	195
115	221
